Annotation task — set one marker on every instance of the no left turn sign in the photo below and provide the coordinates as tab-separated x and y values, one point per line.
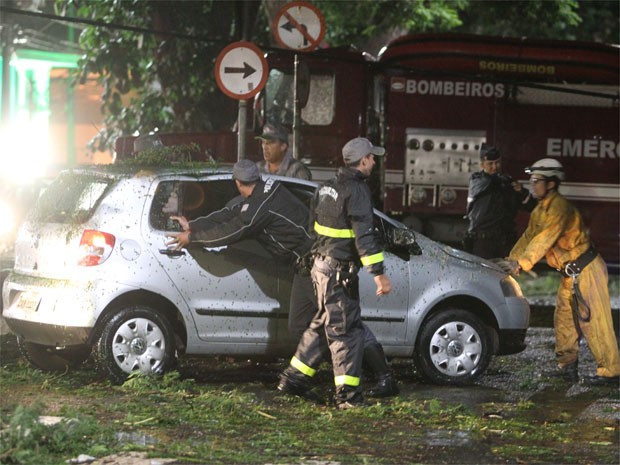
241	70
299	26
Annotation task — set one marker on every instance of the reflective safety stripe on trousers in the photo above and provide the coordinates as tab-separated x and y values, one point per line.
301	366
347	380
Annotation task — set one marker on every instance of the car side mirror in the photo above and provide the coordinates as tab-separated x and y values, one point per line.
404	239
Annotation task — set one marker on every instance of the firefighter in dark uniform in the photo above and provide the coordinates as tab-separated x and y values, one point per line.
345	240
271	214
493	200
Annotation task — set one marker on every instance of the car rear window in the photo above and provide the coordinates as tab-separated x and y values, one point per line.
71	198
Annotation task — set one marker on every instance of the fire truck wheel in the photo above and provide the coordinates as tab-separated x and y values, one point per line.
135	340
48	358
454	347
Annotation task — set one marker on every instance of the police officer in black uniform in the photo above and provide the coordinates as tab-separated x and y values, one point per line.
345	240
265	211
492	203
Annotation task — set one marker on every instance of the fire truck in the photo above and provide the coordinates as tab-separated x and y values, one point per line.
432	100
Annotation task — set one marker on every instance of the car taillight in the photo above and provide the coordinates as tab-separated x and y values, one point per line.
95	247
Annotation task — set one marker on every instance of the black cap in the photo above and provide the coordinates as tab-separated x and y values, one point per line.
274	132
488	152
245	171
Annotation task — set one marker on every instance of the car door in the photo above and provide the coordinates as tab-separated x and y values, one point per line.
232	291
386	315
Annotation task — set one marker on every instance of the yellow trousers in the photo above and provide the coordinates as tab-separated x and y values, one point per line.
598	332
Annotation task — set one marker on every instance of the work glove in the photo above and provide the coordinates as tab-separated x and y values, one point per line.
509	266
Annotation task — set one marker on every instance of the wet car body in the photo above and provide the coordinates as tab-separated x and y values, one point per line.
92	273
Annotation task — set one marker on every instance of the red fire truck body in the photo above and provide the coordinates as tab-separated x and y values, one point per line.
431	100
531	99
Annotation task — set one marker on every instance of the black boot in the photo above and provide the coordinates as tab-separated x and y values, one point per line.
386	384
296	383
347	397
567	372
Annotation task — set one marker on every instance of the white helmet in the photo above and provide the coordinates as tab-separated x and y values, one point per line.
547	167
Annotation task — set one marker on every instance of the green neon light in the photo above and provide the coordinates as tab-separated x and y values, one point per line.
53	59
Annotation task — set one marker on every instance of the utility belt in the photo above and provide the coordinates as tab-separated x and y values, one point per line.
346	273
574	268
340	265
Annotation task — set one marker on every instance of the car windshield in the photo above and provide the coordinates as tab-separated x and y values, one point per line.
70	198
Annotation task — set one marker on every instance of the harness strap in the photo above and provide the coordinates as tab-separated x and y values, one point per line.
578	299
573	270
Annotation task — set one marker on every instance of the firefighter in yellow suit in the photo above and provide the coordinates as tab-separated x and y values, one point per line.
557	232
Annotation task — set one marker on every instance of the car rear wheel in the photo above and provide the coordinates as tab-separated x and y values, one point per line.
135	340
48	358
453	348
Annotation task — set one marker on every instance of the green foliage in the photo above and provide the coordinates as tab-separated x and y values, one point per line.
157	81
199	422
171	155
353	22
27	440
515	18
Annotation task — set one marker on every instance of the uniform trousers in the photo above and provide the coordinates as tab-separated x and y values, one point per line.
598	331
338	319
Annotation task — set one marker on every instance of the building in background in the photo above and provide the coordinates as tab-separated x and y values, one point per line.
46	121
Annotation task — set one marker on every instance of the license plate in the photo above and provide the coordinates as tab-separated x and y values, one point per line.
29	301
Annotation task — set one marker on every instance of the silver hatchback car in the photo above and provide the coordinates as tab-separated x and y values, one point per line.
93	276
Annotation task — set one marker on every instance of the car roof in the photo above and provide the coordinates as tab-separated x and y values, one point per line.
130	170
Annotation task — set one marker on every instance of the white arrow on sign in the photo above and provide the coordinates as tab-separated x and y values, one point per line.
299	26
241	70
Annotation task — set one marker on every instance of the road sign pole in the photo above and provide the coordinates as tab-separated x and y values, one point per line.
296	110
241	127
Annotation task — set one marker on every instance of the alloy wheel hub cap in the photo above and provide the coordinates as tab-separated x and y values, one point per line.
138	346
455	348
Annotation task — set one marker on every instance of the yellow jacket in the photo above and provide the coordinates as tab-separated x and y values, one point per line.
555	231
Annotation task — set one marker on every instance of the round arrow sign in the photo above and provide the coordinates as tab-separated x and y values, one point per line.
299	26
241	70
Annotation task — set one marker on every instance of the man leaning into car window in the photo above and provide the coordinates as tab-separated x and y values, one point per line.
265	211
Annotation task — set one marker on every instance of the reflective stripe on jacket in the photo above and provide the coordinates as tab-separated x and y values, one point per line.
344	221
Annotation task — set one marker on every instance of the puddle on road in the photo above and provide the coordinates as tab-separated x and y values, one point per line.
448	438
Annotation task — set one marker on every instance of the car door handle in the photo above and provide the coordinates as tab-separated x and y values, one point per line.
172	252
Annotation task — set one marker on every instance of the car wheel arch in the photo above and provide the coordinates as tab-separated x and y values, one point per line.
144	298
464	302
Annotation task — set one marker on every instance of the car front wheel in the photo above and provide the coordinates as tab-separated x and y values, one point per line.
453	348
135	340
